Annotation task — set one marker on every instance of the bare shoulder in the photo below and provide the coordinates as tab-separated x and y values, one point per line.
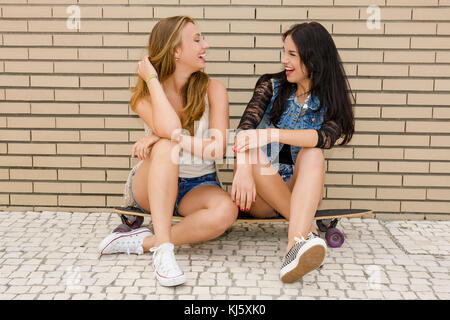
215	86
217	92
218	101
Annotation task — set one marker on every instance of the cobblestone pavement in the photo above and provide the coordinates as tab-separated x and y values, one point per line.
47	255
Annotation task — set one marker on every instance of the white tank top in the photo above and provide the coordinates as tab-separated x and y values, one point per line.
191	166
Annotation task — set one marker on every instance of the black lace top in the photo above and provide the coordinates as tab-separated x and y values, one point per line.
253	114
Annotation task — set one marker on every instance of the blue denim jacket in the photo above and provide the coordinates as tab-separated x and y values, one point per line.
296	116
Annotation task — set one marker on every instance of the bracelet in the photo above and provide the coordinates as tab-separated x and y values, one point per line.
150	77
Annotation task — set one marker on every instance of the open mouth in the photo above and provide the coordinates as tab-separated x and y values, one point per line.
203	57
289	70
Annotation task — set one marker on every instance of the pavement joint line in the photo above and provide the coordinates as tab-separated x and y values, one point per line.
392	237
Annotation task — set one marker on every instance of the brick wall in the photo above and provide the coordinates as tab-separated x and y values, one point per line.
66	129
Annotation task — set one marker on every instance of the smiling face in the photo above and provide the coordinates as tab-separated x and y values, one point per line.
295	69
192	50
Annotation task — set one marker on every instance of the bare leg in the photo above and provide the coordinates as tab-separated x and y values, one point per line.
307	193
208	212
298	199
272	192
155	187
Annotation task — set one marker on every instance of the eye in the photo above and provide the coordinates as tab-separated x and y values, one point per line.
199	38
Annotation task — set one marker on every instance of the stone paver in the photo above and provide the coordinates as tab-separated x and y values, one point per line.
53	255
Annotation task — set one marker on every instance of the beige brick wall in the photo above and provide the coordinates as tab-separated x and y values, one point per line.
66	129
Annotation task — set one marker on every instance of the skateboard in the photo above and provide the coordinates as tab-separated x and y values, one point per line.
326	220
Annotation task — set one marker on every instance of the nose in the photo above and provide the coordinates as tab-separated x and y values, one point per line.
283	58
205	45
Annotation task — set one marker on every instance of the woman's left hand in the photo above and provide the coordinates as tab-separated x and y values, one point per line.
251	139
142	147
145	68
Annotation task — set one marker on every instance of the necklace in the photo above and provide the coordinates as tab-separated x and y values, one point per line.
302	94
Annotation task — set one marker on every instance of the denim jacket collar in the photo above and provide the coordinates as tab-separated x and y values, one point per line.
311	101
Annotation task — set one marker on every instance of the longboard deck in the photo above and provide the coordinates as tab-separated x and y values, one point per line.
246	218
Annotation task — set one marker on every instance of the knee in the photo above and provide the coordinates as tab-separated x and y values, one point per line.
312	156
164	147
225	214
164	144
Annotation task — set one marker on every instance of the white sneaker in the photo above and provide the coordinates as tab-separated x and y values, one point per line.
305	256
167	270
124	242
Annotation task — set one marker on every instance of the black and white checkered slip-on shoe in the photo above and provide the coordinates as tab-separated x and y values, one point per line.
305	256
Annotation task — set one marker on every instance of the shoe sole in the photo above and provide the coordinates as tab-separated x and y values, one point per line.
310	260
171	282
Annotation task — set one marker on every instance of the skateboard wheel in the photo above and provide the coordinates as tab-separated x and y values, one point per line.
122	228
335	238
321	226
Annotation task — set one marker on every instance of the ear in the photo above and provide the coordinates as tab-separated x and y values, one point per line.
177	53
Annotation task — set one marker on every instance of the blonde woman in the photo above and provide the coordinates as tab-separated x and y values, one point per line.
178	174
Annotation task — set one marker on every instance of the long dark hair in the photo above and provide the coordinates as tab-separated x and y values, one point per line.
328	80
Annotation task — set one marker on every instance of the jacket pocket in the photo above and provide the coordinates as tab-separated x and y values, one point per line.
313	120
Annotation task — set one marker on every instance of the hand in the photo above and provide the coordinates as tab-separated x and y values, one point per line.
251	139
143	146
243	191
145	68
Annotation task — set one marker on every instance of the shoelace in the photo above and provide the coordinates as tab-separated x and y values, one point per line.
310	236
299	240
127	243
293	251
161	261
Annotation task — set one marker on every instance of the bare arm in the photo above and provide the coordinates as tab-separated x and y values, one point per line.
324	138
142	147
301	138
144	110
165	119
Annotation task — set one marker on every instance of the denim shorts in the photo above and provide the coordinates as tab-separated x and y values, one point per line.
184	186
286	171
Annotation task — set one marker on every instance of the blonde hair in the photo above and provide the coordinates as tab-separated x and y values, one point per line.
164	39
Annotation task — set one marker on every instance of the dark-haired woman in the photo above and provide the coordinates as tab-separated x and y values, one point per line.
292	116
